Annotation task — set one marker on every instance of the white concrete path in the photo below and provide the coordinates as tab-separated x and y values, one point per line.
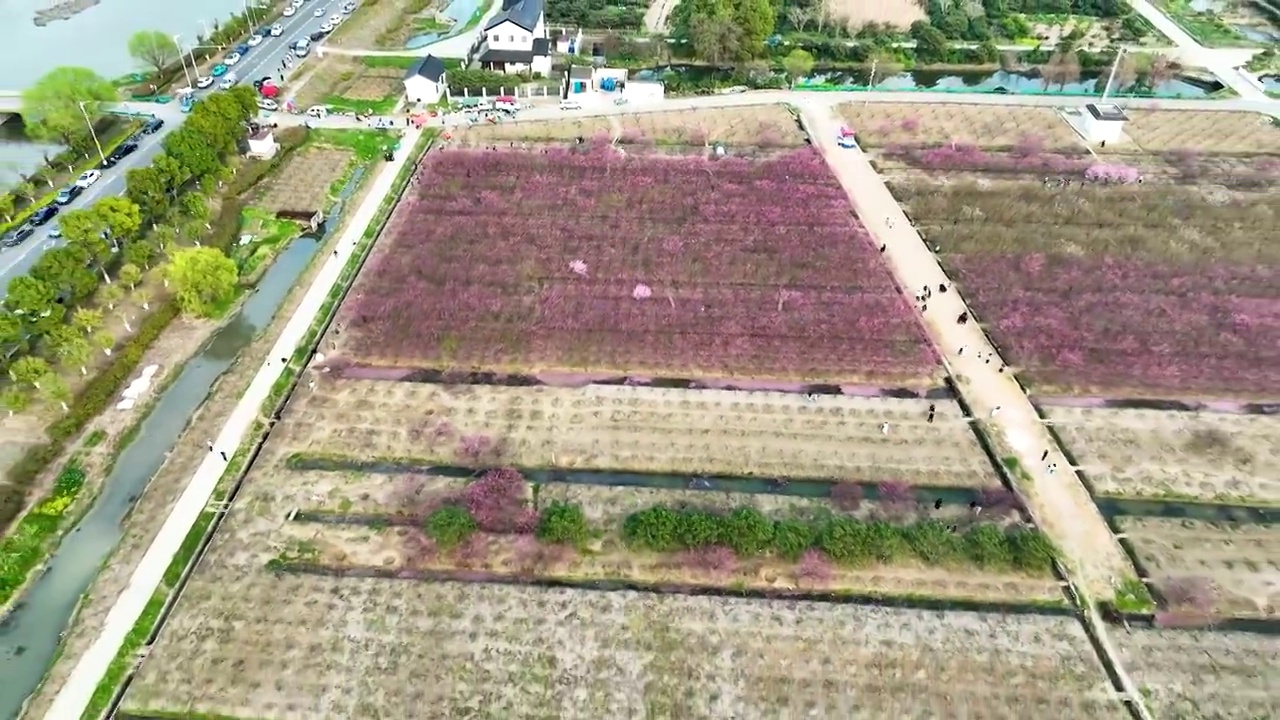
75	694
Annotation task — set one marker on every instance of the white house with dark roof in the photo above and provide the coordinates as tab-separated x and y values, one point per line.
424	81
515	40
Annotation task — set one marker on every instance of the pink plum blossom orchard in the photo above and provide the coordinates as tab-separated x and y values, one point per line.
592	260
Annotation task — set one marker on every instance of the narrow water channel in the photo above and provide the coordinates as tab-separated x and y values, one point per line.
29	635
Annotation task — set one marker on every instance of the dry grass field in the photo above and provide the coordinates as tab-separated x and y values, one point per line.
303	183
854	14
1204	131
1228	568
646	430
989	127
1153	453
1196	674
758	125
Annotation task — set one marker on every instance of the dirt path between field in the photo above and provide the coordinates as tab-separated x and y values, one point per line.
163	491
1058	500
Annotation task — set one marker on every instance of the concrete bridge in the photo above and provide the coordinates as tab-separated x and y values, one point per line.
10	104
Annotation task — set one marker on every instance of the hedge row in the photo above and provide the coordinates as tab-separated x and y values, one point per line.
27	546
844	539
559	523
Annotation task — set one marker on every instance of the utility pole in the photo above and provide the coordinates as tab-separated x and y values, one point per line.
1107	88
183	61
871	83
93	134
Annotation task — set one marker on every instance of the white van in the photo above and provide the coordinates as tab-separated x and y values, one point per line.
570	105
302	47
318	112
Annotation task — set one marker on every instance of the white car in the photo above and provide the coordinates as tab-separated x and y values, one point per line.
231	59
228	81
570	105
335	20
277	30
289	11
204	82
320	12
254	40
348	8
326	28
88	178
268	104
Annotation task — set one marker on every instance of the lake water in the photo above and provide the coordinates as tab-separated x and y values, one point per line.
460	11
95	38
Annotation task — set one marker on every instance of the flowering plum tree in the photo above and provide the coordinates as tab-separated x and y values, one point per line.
1111	173
499	502
846	496
814	568
715	560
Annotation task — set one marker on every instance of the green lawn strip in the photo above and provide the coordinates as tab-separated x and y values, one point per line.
88	163
476	17
34	536
269	232
381	106
404	61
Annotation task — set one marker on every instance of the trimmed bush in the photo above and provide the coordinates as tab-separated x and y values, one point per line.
563	523
747	531
450	526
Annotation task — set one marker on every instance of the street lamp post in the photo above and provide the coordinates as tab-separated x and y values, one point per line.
872	82
248	11
93	134
1107	88
183	61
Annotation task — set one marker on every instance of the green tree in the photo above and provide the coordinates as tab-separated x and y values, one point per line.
798	64
130	275
153	49
988	52
121	216
143	296
28	370
84	228
171	173
141	252
55	389
104	341
26	190
34	301
65	268
51	107
147	189
564	524
715	38
450	526
203	278
194	205
931	44
111	294
747	531
194	147
755	20
15	399
10	331
7	203
87	320
72	350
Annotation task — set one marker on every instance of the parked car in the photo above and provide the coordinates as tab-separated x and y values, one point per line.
121	152
43	215
276	30
570	105
231	59
326	28
204	82
348	8
67	194
335	20
319	112
242	48
228	82
16	237
218	70
320	11
88	178
254	40
55	232
268	105
289	11
154	124
317	36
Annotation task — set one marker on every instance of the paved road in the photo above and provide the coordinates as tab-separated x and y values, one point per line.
74	696
262	60
1193	53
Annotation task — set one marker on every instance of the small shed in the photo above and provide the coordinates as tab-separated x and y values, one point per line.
262	144
424	81
1102	122
580	79
643	90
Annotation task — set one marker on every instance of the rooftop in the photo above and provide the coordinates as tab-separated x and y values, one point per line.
522	13
429	67
505	56
1106	111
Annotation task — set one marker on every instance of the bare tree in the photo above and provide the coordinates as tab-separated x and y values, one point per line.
1162	70
1126	73
1009	61
799	17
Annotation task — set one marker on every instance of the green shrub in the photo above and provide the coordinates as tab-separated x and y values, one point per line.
698	528
886	541
450	526
792	537
933	543
652	529
987	547
28	544
747	531
1031	550
563	523
846	541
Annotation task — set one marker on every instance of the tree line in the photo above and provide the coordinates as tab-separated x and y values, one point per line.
46	320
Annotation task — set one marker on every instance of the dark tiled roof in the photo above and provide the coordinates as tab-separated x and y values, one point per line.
541	46
1106	112
505	56
523	13
429	67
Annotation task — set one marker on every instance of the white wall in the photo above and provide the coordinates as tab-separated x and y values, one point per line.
421	90
509	36
541	65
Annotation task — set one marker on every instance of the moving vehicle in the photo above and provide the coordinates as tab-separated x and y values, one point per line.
320	11
154	124
348	8
218	70
55	232
228	82
231	59
88	178
318	112
42	215
255	40
335	20
67	194
16	237
302	47
289	11
570	105
121	152
506	102
326	27
277	30
846	138
204	82
268	105
188	102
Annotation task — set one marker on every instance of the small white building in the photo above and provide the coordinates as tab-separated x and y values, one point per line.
424	81
609	84
515	40
1102	122
262	144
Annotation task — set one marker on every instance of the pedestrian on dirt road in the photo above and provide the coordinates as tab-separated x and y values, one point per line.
932	409
942	287
1044	456
883	248
210	444
224	455
995	411
960	352
884	428
962	318
937	504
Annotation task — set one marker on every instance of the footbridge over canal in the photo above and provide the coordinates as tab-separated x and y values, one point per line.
10	105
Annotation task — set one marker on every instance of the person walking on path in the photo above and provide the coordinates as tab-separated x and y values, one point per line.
210	444
932	409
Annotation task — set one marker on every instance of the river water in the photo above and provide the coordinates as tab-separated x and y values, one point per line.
95	38
29	635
